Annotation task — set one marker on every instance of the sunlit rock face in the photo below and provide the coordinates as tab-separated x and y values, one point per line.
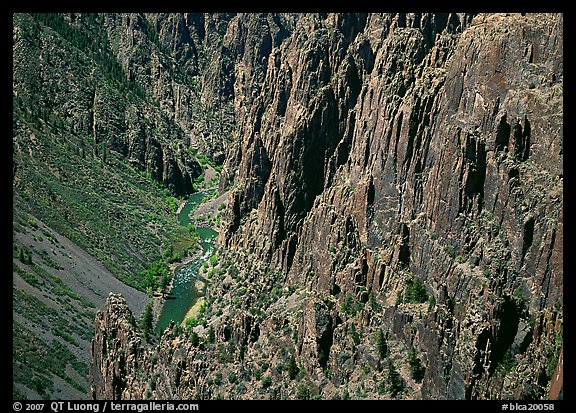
400	173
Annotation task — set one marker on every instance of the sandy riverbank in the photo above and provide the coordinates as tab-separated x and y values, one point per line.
199	285
180	206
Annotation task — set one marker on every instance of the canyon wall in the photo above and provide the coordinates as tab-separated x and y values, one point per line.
396	175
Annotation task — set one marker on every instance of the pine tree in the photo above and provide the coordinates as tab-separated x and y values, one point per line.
395	381
146	320
211	335
194	340
293	369
417	370
381	345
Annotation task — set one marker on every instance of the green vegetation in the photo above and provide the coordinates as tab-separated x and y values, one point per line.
95	44
232	378
95	211
266	381
396	384
417	370
77	309
356	335
373	304
32	222
507	364
48	260
431	303
190	323
172	203
449	249
194	339
22	253
399	299
431	234
211	335
415	291
76	113
199	181
553	352
233	271
204	161
214	260
193	321
156	276
28	277
58	289
381	345
293	369
351	305
522	298
303	392
146	320
176	331
50	237
183	242
35	362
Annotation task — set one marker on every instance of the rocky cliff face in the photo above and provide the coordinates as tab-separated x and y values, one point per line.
142	85
395	222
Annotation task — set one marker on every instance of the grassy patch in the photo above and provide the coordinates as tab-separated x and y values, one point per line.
53	319
34	362
27	276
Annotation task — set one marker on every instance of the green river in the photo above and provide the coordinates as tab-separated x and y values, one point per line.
184	293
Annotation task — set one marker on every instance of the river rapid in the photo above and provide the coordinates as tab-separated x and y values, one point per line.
184	293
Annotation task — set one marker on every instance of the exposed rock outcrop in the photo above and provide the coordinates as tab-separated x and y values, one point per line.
395	173
418	152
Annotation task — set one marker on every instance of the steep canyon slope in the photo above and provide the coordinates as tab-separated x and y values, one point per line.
108	128
394	226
